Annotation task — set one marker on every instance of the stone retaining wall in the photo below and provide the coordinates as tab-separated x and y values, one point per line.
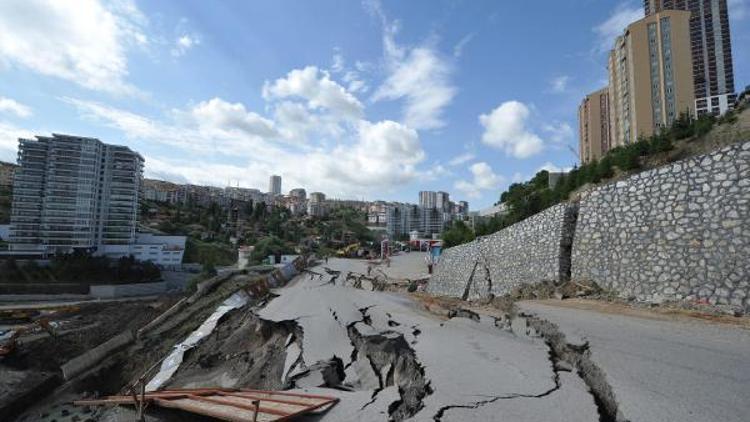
681	231
526	252
454	270
678	232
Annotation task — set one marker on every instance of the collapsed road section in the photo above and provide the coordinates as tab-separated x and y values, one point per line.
400	362
335	331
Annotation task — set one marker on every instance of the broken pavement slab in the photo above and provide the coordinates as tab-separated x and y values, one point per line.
456	362
660	369
533	409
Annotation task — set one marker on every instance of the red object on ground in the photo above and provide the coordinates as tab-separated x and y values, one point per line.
239	405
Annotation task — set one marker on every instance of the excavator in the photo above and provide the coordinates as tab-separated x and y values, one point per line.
9	341
348	251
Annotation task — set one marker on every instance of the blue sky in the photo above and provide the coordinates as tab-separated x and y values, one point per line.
372	99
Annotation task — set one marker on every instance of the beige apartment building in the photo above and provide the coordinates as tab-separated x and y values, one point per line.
710	40
593	126
650	76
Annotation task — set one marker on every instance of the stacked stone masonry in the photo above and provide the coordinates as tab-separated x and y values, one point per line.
678	232
527	252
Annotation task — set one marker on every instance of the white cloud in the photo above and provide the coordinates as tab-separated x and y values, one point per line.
559	132
622	16
518	177
385	151
458	49
461	159
419	75
183	43
506	128
369	158
318	89
355	82
9	135
84	42
296	123
484	178
136	126
9	105
231	117
338	61
559	84
553	168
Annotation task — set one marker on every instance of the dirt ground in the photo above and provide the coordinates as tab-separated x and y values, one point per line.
33	369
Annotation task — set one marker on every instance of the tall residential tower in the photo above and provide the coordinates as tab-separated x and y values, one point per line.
593	126
74	193
427	199
274	185
650	76
713	75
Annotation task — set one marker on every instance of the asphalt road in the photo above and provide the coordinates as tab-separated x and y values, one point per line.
664	370
475	370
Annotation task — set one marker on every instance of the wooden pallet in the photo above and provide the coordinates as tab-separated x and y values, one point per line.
237	405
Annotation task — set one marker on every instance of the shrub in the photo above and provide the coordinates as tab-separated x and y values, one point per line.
457	234
660	143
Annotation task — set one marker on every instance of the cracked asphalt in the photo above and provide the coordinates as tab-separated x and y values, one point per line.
404	363
662	370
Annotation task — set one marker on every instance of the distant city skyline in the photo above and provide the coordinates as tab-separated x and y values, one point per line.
372	99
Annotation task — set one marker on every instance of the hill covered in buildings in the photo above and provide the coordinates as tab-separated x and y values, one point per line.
218	226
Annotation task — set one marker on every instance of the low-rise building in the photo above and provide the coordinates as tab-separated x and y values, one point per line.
7	171
165	251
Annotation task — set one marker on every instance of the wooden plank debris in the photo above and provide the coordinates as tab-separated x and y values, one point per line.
228	404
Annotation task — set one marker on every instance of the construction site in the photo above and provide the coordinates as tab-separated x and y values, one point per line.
350	339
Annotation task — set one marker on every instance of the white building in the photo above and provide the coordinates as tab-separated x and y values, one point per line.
72	192
494	210
316	206
427	199
165	251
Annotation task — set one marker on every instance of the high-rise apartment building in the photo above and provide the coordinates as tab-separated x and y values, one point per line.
316	206
74	193
593	126
713	74
427	199
463	208
274	185
442	201
650	76
299	194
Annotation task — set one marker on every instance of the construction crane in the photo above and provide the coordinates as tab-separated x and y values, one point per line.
573	151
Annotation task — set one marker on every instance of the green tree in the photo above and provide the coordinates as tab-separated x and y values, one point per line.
270	245
457	234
